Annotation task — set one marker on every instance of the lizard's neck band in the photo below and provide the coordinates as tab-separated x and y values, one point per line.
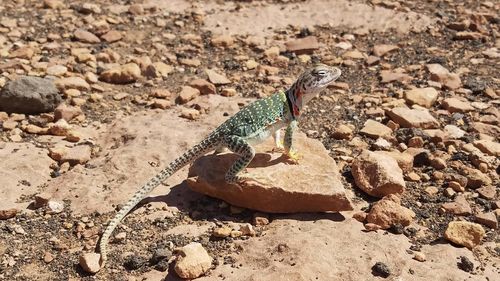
294	100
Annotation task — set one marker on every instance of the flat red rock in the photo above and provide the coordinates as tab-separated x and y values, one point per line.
311	186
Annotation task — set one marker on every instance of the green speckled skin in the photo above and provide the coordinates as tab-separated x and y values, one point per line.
253	124
257	116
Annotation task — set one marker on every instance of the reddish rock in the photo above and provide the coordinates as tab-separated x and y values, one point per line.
190	62
57	70
431	190
456	186
90	262
161	103
158	69
459	207
79	154
442	75
8	214
372	60
488	219
354	54
187	93
161	93
425	97
381	50
66	112
260	219
489	147
374	129
205	87
343	132
53	4
468	35
416	142
124	74
193	261
413	118
388	212
372	227
72	83
223	41
33	129
487	129
228	92
438	163
459	26
404	160
190	113
216	78
388	76
377	174
60	128
112	36
41	200
279	188
412	176
456	105
86	37
488	192
136	9
476	178
360	216
22	53
460	179
305	45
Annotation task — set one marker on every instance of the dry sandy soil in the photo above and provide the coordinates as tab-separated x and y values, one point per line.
126	132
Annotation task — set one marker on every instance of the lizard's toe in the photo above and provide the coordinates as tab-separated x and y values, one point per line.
279	147
293	156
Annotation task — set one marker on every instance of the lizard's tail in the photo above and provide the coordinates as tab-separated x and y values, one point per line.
192	154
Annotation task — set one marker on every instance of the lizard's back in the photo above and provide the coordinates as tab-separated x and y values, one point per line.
260	116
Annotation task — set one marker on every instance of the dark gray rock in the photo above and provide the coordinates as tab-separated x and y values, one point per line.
381	269
134	262
161	254
29	95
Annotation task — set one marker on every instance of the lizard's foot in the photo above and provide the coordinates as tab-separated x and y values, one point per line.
279	146
293	156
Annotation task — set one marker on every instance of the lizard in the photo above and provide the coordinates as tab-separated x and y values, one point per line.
251	125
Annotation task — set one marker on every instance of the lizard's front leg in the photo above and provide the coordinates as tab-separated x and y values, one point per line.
240	146
278	142
290	152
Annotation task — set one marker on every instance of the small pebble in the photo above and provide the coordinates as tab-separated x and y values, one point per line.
419	257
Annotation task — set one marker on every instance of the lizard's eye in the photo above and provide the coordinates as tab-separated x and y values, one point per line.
321	72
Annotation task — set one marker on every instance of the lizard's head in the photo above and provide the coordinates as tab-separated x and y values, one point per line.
315	79
310	83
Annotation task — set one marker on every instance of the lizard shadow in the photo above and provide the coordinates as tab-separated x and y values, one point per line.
260	160
180	194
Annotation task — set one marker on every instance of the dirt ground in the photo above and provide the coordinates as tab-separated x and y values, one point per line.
131	130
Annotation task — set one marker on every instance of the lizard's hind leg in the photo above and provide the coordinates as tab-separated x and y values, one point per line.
239	146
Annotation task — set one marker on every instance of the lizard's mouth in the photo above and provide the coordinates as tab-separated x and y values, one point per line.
331	80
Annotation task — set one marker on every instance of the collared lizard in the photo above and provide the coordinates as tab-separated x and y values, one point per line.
251	125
